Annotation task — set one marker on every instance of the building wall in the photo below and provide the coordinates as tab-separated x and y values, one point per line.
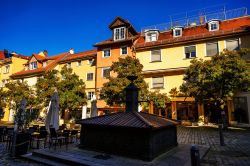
31	81
108	61
82	71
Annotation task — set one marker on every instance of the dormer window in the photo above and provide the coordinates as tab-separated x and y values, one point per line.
119	33
177	32
213	25
45	64
33	65
151	35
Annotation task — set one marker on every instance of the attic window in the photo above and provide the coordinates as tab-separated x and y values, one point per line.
45	64
119	33
213	25
33	65
177	32
151	35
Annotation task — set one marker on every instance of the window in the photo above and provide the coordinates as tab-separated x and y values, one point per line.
156	55
33	65
90	76
44	64
119	33
90	61
106	53
90	95
213	25
158	82
212	48
68	65
177	32
190	52
79	63
151	35
233	44
124	50
6	69
106	72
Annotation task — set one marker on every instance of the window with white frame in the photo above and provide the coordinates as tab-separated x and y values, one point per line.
90	76
213	25
212	48
151	36
177	32
106	53
119	33
45	64
124	50
79	63
190	51
156	55
33	65
105	72
157	82
233	44
90	95
6	69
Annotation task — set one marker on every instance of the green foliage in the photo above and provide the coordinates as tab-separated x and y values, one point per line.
2	98
159	100
113	91
216	79
15	91
71	90
23	118
45	87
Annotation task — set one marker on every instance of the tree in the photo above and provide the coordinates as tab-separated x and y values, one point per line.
71	91
113	90
217	79
45	87
2	102
15	91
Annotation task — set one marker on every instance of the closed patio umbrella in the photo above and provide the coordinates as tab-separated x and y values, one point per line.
52	119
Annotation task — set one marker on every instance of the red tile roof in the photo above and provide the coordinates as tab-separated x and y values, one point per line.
129	119
80	55
40	70
199	32
1	55
111	41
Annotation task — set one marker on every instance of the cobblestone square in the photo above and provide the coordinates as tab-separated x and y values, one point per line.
236	152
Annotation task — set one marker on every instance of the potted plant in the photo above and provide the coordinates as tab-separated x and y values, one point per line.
201	121
21	138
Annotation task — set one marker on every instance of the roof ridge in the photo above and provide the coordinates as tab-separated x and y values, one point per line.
143	119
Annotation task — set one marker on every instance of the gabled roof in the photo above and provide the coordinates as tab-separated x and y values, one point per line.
119	22
80	55
190	34
129	119
50	66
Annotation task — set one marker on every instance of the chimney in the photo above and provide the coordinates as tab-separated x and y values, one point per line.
45	52
131	95
71	51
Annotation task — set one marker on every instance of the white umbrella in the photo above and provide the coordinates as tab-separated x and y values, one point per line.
52	119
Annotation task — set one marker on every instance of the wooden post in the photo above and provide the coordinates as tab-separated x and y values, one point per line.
201	110
151	107
174	110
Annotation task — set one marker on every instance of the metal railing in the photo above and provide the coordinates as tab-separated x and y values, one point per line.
200	19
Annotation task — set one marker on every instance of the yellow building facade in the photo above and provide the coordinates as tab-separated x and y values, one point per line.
166	57
10	64
83	64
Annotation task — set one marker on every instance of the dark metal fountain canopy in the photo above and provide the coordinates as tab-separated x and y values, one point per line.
130	120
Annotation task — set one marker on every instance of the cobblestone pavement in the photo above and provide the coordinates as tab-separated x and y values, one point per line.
235	153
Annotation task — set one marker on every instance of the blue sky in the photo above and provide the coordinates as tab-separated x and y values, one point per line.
30	26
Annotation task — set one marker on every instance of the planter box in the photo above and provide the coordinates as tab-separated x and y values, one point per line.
22	143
